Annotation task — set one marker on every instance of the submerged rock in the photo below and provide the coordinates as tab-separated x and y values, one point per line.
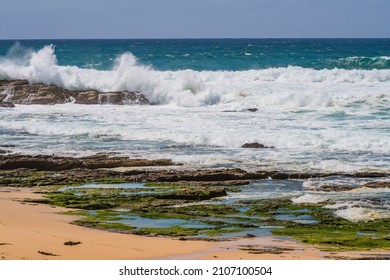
255	145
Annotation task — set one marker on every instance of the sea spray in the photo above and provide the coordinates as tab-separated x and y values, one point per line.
290	86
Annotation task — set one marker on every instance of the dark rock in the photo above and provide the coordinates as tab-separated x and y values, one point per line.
87	97
235	111
7	105
365	174
20	92
102	161
212	175
72	243
47	254
376	185
20	170
334	188
194	194
50	163
255	145
114	98
7	83
110	98
134	98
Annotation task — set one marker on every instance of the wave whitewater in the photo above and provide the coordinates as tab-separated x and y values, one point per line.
287	86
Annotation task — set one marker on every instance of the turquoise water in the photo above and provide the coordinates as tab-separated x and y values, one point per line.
216	54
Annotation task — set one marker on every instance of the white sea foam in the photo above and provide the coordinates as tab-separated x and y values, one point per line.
287	87
359	204
317	183
207	135
309	198
362	214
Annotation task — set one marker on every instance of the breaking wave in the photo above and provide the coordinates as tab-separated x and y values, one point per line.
286	86
362	62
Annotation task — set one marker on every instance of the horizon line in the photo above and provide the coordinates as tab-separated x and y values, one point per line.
202	38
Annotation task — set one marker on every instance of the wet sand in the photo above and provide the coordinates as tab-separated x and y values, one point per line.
35	232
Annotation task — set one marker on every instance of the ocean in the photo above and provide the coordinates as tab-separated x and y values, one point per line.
323	105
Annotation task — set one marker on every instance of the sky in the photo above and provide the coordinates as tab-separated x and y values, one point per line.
76	19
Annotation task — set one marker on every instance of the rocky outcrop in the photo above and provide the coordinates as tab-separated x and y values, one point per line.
344	188
52	163
7	105
333	188
202	193
21	170
87	97
115	98
255	145
22	92
377	185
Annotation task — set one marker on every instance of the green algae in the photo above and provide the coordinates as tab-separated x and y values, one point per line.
105	208
117	227
220	231
33	178
206	210
174	231
111	180
335	233
330	232
98	208
164	184
266	207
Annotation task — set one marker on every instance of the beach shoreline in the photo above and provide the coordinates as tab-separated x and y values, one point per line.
32	231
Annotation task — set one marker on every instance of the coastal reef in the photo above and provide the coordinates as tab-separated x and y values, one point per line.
160	198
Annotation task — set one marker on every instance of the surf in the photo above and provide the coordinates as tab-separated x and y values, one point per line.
290	86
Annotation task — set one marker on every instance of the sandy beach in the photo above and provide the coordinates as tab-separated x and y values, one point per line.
32	231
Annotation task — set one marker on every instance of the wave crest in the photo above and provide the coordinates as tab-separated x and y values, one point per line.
287	86
363	62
